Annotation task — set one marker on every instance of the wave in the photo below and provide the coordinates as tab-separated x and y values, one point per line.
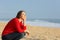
43	23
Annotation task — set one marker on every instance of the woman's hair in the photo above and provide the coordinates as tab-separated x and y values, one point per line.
19	14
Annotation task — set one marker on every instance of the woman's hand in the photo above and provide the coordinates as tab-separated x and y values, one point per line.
24	21
27	32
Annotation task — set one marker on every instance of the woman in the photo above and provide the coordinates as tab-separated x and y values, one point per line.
16	28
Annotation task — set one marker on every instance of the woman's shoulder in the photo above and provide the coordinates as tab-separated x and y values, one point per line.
13	19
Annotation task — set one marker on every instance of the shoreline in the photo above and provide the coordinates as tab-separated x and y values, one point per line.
35	25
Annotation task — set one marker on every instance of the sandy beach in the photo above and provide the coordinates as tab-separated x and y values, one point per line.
38	33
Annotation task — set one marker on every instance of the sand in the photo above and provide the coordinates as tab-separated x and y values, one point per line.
38	32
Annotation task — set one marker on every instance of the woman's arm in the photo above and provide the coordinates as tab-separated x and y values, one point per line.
24	23
17	26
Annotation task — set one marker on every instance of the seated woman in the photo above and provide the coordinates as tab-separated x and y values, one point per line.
16	27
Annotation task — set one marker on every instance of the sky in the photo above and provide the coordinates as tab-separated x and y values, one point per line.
34	8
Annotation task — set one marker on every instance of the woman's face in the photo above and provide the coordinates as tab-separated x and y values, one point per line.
23	15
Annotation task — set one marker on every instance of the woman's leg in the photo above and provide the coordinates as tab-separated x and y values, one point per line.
19	36
13	36
4	38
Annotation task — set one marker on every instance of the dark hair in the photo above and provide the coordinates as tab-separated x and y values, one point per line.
19	14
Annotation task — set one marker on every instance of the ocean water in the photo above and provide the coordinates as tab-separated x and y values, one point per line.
41	22
45	22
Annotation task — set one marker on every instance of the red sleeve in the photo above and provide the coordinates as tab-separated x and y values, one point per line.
18	27
24	27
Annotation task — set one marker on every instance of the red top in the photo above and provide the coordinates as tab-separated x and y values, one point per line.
14	26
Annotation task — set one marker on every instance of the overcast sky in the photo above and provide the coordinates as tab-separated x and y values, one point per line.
33	8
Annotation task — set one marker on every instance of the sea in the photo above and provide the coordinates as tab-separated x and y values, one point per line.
40	22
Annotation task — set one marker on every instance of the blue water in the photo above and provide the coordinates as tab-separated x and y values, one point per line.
41	22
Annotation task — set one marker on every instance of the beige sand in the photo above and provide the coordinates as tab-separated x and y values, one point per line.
38	33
